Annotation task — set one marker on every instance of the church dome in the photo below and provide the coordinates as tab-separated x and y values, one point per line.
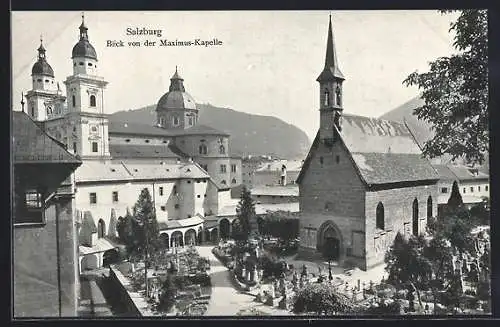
176	97
42	67
84	49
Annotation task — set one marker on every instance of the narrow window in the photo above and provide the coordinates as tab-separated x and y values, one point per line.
327	98
222	150
32	111
479	188
93	198
94	147
380	223
74	147
472	189
176	120
233	181
321	161
190	121
92	101
161	190
337	158
486	188
202	149
174	190
233	168
115	196
464	190
444	190
222	168
73	98
415	217
429	207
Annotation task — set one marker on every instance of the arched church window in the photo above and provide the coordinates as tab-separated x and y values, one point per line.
415	217
327	98
429	207
233	181
380	220
222	149
92	101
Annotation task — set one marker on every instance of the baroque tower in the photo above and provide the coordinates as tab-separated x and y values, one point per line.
330	85
85	93
45	98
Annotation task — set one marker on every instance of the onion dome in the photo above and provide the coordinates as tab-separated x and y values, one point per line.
83	48
42	67
176	97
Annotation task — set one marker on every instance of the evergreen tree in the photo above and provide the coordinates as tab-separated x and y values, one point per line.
455	92
455	201
124	228
246	212
146	225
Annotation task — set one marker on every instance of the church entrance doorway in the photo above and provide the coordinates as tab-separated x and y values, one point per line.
331	243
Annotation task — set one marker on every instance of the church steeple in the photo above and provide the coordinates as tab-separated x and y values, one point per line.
330	84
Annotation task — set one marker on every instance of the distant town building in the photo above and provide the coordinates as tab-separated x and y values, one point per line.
473	184
275	194
363	181
45	242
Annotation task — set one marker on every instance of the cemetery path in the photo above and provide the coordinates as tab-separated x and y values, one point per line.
225	299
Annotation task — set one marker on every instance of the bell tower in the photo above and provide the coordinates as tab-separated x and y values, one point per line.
330	86
85	97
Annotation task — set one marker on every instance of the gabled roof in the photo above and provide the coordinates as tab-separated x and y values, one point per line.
289	190
127	151
32	145
382	151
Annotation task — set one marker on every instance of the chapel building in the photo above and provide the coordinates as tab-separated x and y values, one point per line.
363	181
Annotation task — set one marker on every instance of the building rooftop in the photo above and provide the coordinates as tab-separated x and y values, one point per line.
127	151
445	174
383	151
260	209
289	190
32	145
276	165
151	130
98	171
465	173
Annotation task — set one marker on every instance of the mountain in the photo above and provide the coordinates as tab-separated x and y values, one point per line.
421	129
250	134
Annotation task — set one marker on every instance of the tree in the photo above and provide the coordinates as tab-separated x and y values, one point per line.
146	225
246	212
321	298
455	201
125	229
168	292
455	92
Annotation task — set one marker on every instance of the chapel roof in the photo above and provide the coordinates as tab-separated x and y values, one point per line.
128	151
382	151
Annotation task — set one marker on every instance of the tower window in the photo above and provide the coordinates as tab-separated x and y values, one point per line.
92	101
32	111
74	147
74	100
115	196
222	149
47	81
161	190
90	64
338	96
327	98
93	198
94	147
174	190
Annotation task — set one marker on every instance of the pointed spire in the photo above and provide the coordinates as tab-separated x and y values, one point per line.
331	68
83	29
41	49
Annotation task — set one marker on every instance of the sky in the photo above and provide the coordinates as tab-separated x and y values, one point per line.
267	64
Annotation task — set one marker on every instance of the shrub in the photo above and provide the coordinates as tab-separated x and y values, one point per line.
383	308
167	296
321	299
201	279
